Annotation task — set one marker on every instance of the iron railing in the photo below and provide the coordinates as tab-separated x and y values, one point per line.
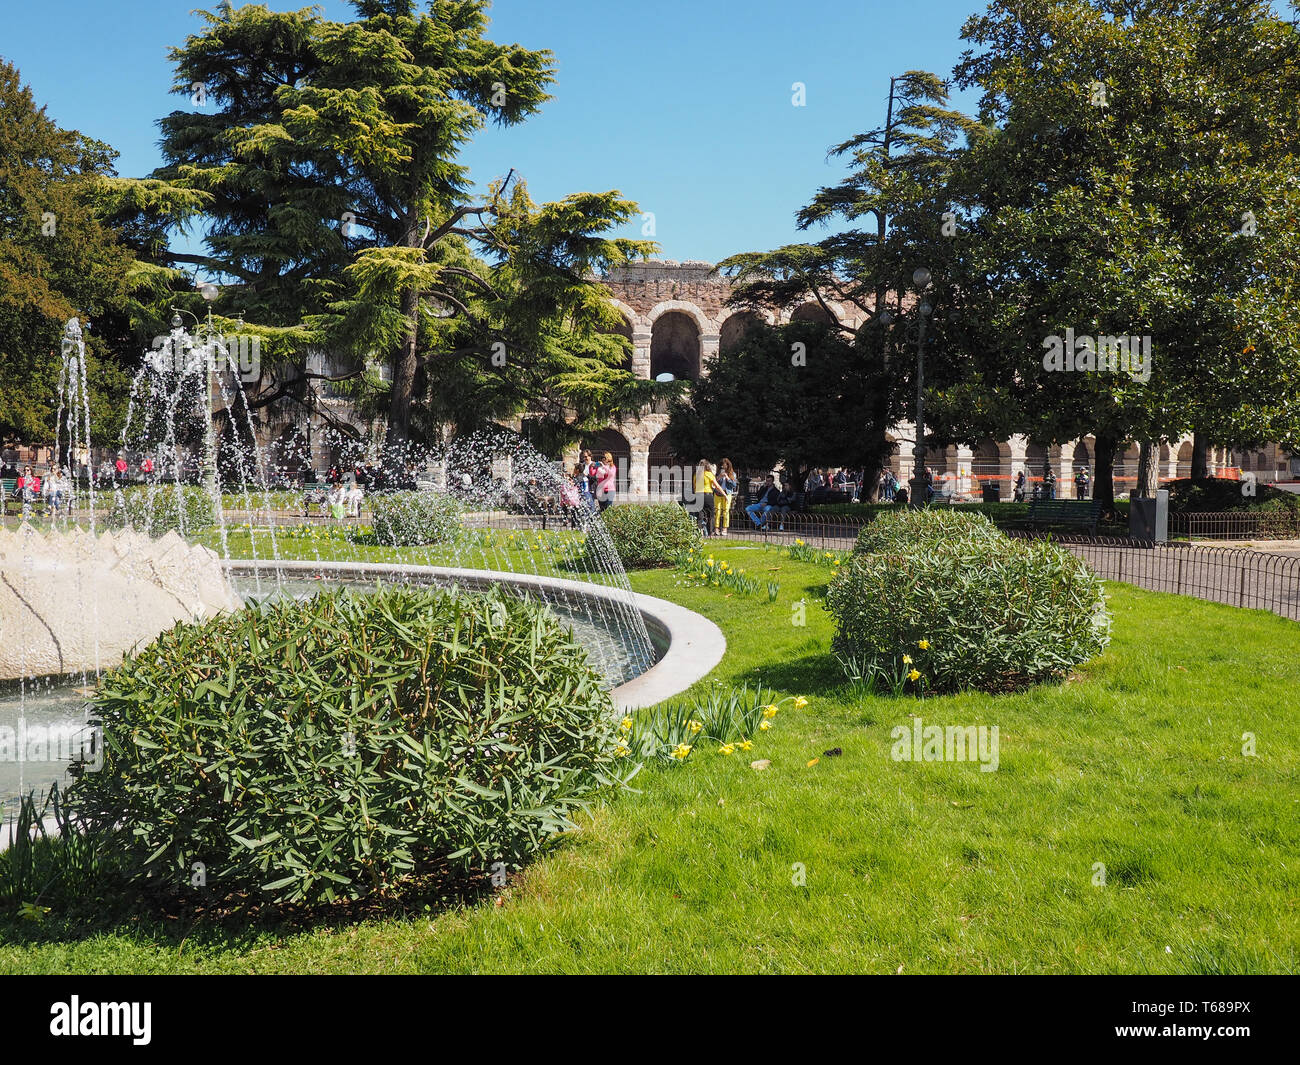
1236	525
1237	576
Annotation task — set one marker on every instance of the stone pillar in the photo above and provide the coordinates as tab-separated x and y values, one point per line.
708	349
641	356
965	483
638	474
1065	471
1019	446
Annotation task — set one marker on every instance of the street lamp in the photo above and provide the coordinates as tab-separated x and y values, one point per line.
921	279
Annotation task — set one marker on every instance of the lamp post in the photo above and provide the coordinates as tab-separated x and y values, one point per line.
921	279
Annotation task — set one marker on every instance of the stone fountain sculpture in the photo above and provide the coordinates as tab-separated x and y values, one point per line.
73	601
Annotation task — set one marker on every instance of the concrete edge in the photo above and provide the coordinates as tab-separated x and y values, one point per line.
693	645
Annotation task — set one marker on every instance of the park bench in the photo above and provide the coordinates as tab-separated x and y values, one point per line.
7	486
1082	513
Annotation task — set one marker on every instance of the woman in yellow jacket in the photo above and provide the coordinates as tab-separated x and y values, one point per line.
706	487
727	481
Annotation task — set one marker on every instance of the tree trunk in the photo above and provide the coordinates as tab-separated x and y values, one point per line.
1148	478
1103	485
405	363
1200	453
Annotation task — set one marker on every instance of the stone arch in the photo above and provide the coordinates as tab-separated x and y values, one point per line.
990	463
736	326
675	345
812	311
1184	468
656	312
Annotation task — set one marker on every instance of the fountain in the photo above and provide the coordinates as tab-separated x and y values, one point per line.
195	538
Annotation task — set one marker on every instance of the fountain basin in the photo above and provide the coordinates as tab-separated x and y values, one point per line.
687	645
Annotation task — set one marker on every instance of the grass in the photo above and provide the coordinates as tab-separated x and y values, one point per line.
1136	762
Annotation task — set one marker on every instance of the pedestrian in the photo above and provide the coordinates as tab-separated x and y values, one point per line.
1082	482
606	481
722	511
1049	484
706	488
1018	488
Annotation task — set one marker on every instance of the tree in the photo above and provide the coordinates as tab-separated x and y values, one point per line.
1140	183
344	216
899	178
791	395
57	260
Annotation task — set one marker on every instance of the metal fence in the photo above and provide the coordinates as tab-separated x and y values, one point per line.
1236	525
1237	576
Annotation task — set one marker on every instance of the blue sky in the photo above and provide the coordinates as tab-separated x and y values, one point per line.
683	106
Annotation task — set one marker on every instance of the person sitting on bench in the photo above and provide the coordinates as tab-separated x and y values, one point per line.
767	499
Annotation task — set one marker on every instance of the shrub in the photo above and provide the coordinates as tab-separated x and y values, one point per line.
651	534
903	529
1219	493
154	509
410	519
989	613
307	751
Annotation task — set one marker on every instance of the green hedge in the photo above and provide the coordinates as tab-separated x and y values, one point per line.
307	751
903	528
974	611
651	534
410	519
154	509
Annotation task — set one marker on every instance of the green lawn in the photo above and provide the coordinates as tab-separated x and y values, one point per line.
920	867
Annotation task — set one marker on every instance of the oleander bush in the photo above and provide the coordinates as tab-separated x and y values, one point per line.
412	519
990	613
156	509
650	534
904	528
346	745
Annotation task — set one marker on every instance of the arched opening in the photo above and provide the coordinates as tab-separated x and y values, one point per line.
675	346
812	312
735	328
1080	461
667	473
1185	459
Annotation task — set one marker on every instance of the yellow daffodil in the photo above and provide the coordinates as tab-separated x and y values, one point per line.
813	761
694	726
745	745
681	751
924	645
769	711
625	725
799	543
620	751
765	725
914	676
726	748
800	702
907	660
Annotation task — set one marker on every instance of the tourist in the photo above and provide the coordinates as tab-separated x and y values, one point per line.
27	489
56	491
570	499
900	497
353	499
784	503
1049	484
706	487
1082	482
768	497
729	484
120	467
336	501
1018	488
815	481
606	481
